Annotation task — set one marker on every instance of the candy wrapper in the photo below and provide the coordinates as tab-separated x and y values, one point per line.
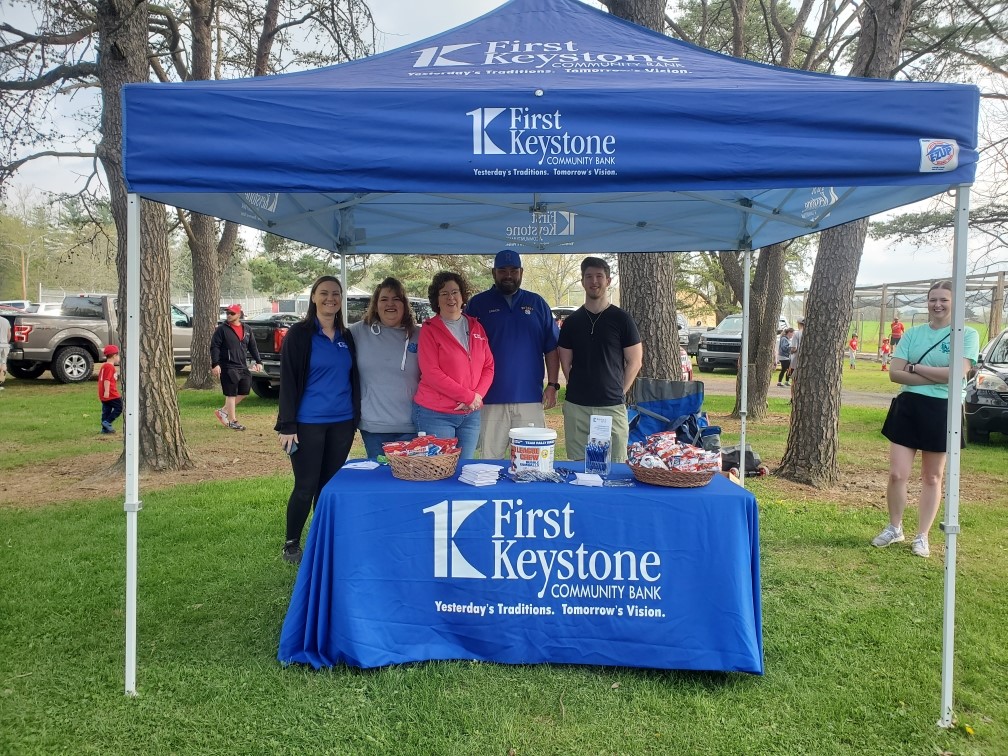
421	446
661	451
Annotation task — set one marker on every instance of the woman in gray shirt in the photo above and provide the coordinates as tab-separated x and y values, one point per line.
387	362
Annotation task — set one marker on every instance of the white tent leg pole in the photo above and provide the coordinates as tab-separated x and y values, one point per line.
951	523
342	265
132	420
744	367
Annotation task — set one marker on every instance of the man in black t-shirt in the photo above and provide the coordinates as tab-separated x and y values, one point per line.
600	354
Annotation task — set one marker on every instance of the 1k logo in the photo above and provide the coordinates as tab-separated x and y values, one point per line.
569	218
448	518
482	144
438	56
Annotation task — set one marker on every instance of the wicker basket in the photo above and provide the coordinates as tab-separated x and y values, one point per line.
438	467
671	478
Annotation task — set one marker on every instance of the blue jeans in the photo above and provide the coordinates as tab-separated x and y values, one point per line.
465	428
110	410
373	441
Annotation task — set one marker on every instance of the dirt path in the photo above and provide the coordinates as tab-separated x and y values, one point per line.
90	476
723	384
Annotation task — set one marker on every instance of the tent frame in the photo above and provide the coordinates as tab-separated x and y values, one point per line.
950	525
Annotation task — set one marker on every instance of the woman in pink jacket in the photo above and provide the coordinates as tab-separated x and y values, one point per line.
456	367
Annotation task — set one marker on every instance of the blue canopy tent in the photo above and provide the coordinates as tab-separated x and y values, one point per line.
547	126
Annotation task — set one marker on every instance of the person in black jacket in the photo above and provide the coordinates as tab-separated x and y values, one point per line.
319	403
230	347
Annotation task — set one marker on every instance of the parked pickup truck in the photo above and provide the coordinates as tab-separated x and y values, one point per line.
722	346
269	330
70	342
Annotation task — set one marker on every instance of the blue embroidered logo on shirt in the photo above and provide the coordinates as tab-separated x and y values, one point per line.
412	348
342	345
945	348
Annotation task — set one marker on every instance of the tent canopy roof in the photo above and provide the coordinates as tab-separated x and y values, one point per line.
547	125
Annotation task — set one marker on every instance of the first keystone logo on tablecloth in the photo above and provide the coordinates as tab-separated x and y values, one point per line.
448	560
538	544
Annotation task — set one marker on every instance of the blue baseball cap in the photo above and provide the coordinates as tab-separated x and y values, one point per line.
507	258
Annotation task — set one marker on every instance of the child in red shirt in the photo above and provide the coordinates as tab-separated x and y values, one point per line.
853	344
886	351
108	389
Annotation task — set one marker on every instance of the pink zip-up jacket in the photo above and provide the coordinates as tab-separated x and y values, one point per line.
448	375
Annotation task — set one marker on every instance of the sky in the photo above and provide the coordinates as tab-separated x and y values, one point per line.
402	22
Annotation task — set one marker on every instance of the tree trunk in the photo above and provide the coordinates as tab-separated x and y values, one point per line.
766	298
813	439
122	35
206	270
647	13
210	255
650	279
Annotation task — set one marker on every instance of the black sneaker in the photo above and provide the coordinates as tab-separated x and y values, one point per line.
292	552
235	425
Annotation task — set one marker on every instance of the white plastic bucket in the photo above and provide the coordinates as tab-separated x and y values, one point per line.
532	449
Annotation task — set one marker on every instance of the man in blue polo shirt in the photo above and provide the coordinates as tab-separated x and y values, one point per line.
523	337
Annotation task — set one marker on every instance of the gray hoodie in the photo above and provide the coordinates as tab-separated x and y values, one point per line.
389	374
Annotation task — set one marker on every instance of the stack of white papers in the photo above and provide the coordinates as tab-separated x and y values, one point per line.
366	464
480	474
586	479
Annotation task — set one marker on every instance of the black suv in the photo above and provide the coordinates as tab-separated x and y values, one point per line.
987	392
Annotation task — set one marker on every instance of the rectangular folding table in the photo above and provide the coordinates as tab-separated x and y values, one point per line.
643	576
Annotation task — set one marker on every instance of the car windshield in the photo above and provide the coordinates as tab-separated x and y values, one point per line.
999	354
731	323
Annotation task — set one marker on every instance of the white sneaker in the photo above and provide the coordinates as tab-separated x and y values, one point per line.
920	546
888	536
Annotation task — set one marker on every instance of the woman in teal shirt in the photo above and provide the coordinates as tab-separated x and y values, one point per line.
918	417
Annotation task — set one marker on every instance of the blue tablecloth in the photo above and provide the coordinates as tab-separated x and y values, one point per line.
397	571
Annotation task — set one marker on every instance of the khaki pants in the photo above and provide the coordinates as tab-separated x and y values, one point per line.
497	419
577	420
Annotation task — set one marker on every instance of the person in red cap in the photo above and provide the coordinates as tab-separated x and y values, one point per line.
230	347
108	389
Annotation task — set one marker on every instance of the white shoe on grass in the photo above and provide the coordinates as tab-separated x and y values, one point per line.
919	546
887	536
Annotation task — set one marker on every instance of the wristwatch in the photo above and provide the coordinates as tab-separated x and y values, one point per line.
910	367
553	385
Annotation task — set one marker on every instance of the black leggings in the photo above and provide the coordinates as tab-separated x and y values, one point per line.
784	366
322	450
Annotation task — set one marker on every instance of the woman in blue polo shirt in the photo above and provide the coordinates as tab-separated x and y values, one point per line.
319	403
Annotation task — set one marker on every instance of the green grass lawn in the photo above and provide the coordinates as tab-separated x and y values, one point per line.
852	634
868	333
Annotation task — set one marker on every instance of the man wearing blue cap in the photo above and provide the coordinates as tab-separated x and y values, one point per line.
523	337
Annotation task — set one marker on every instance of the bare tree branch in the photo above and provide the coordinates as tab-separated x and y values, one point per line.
59	40
10	168
83	70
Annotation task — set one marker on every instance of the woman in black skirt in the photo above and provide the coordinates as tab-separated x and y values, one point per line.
918	420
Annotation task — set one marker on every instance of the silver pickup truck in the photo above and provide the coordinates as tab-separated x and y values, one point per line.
70	342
